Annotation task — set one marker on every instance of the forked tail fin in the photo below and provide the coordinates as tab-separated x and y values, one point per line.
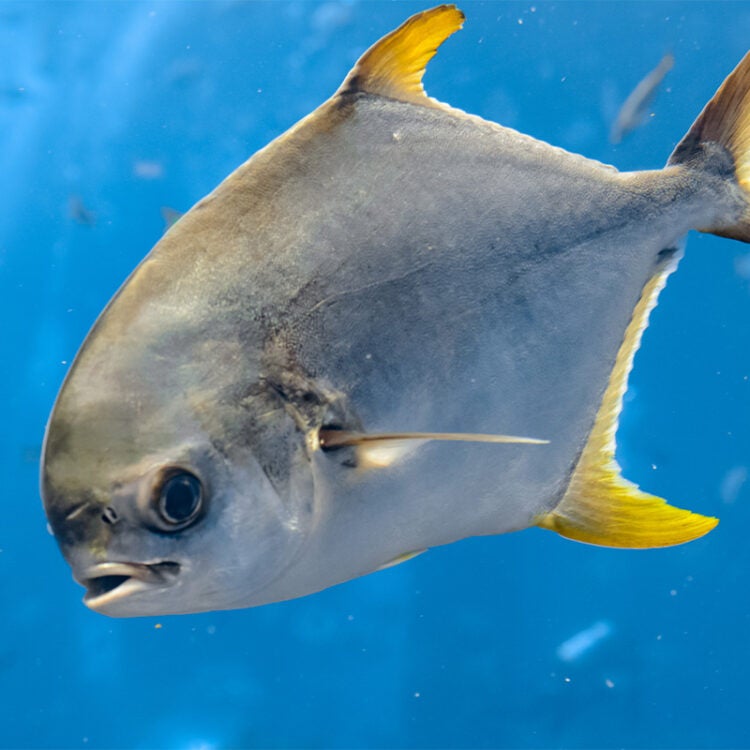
725	121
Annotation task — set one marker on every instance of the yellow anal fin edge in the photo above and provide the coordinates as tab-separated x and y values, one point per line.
599	506
395	65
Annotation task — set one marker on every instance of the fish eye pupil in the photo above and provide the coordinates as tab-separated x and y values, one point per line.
180	498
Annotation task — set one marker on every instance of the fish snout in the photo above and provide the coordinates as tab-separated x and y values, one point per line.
108	583
86	528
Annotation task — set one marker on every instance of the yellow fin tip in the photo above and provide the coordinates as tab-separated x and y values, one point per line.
394	66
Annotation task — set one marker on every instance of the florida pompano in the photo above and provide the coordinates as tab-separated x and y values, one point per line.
251	419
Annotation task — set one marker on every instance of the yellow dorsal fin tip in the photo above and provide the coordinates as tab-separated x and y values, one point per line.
394	66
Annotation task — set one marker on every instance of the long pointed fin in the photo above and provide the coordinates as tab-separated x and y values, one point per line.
379	450
599	506
725	120
394	66
338	438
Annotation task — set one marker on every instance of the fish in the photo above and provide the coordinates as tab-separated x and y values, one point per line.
396	326
580	644
633	111
80	213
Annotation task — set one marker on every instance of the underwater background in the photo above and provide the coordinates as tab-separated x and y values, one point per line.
111	111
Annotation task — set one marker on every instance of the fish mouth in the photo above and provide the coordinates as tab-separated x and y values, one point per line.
110	582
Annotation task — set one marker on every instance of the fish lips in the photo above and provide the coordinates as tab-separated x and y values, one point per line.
107	584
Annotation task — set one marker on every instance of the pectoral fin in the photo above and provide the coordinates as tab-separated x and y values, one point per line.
599	506
378	450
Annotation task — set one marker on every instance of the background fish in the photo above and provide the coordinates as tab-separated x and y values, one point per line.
635	107
389	265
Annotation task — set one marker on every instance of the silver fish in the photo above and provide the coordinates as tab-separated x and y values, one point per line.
633	111
317	372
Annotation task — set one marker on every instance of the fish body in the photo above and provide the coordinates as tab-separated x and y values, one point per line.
225	437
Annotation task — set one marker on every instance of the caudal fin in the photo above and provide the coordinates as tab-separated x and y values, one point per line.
725	121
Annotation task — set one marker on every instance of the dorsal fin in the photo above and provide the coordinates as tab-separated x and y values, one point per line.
394	66
599	506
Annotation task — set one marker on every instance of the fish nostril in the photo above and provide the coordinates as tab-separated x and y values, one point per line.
110	515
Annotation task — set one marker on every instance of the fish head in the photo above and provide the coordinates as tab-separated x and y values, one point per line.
173	478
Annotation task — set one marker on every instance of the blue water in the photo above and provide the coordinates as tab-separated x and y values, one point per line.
124	108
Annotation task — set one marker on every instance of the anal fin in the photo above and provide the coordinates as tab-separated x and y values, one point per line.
599	505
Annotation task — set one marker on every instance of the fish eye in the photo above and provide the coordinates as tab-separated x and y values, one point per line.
179	499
